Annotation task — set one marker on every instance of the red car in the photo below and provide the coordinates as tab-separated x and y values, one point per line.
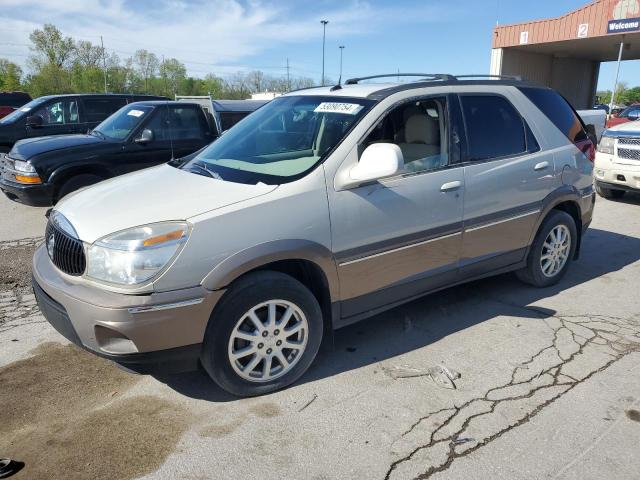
10	101
629	114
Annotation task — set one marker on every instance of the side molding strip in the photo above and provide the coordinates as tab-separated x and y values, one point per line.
502	220
165	306
368	257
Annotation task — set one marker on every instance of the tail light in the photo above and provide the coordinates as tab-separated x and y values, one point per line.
588	148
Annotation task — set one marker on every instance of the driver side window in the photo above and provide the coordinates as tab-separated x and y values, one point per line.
158	123
419	128
59	113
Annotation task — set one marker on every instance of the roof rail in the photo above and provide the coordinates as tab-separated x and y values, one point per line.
499	77
426	76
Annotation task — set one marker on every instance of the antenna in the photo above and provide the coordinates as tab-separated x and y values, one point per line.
169	128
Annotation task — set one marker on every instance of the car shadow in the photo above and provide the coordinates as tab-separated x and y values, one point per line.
431	318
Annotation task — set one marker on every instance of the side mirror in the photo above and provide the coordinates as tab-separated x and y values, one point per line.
145	137
591	133
378	161
34	121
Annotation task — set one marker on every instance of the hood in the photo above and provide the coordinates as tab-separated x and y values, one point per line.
153	195
631	127
30	147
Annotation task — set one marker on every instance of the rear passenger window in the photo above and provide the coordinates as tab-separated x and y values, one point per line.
96	110
495	129
558	110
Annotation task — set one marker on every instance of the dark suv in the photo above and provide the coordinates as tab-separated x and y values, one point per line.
61	114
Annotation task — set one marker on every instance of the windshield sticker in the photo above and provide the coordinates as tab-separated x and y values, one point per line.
25	109
334	107
135	113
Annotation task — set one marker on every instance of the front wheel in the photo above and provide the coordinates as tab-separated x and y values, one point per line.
263	336
551	251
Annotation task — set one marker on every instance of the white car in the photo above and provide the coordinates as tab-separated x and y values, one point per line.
617	165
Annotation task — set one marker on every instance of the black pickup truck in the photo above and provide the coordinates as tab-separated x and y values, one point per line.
62	115
40	171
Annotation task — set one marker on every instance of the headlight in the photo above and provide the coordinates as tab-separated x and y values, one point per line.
24	167
606	145
134	256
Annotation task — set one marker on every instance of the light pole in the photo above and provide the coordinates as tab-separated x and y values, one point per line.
341	47
324	31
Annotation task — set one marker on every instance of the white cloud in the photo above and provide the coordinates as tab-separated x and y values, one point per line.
200	33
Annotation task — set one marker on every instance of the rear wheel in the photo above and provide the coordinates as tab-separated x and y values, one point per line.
263	335
76	183
609	192
552	250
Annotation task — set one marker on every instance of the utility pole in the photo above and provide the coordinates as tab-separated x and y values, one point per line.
164	76
341	47
104	64
615	85
288	77
324	31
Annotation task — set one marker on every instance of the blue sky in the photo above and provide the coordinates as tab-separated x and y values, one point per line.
223	36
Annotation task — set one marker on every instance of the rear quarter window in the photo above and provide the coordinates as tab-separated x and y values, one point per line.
558	110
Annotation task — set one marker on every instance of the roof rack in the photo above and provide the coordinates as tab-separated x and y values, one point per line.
434	76
499	77
426	76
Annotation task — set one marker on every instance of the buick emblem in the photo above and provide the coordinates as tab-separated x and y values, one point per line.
50	244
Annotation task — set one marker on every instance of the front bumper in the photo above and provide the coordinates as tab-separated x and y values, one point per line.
610	174
38	195
160	332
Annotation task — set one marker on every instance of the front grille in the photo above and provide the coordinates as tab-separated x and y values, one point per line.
628	141
66	252
629	153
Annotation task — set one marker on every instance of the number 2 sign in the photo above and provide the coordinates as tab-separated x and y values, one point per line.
583	30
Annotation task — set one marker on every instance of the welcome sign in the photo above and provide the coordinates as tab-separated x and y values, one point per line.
626	25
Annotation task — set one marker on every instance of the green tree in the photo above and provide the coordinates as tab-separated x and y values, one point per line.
172	73
10	75
146	64
50	47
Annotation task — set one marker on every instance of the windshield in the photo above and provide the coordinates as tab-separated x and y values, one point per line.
626	111
119	125
281	141
23	110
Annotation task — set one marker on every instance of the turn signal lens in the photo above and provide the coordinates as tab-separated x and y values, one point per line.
28	179
166	237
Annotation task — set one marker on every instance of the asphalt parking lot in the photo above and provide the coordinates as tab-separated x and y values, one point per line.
548	388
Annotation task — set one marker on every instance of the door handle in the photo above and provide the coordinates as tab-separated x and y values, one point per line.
541	166
450	186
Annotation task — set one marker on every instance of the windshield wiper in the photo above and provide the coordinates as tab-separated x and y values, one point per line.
98	133
200	169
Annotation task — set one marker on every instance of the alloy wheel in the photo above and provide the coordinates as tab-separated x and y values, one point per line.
555	250
268	341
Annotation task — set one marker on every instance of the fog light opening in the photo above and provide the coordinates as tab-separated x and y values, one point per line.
111	341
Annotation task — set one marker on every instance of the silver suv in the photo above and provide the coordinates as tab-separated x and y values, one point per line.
324	207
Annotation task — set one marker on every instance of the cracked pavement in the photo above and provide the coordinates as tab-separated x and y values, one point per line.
582	347
548	389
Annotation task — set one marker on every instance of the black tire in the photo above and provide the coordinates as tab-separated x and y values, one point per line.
609	192
247	292
76	183
532	273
